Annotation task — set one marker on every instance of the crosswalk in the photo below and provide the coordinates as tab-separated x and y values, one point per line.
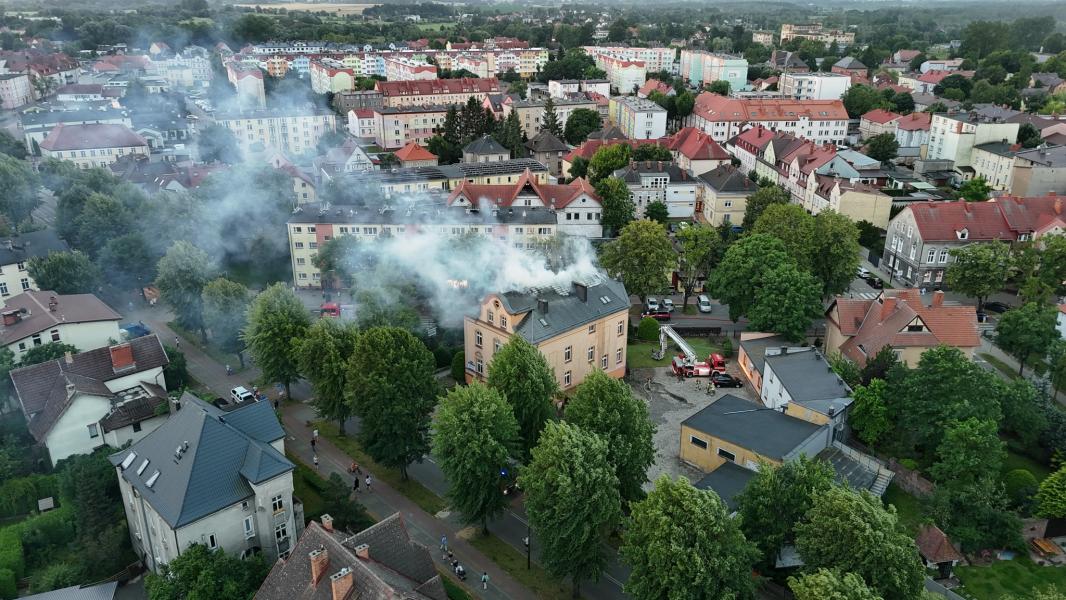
864	295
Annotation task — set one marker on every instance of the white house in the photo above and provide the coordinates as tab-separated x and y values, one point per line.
80	402
655	181
16	251
34	318
210	477
800	382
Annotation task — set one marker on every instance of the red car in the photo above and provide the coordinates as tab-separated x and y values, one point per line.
658	315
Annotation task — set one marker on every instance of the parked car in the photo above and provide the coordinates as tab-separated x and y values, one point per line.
652	305
996	307
241	394
668	305
721	379
703	303
862	273
875	282
658	315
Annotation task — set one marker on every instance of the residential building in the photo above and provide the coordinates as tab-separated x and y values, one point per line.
919	239
37	125
941	64
396	127
788	62
548	150
814	86
444	178
878	121
578	327
210	477
901	320
356	100
16	251
654	59
362	123
184	71
723	195
106	396
485	149
695	151
926	82
413	155
801	383
575	205
563	89
952	136
436	91
292	131
854	199
381	561
853	68
815	31
699	68
15	90
654	85
657	181
748	147
1039	171
751	358
92	145
531	112
994	161
401	68
331	76
100	591
626	76
820	121
638	118
33	318
764	37
349	157
912	133
248	82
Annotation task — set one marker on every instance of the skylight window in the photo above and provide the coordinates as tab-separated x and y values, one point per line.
143	466
151	480
126	462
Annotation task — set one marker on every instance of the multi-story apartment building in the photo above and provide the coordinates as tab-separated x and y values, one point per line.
878	121
402	68
654	59
764	37
626	76
821	121
403	182
436	91
248	82
291	131
329	75
699	67
395	127
723	195
578	327
531	112
814	86
36	126
994	162
186	70
912	133
657	181
576	206
638	118
16	251
815	31
211	477
952	136
362	123
15	90
92	145
1039	171
34	318
564	88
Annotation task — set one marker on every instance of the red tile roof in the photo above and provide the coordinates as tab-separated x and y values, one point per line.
713	107
935	546
428	87
1032	215
880	115
413	152
938	76
941	221
654	85
694	144
916	121
757	137
90	136
504	195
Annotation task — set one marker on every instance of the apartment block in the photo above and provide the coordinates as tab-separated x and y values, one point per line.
92	145
626	76
436	91
400	68
815	31
15	90
952	136
290	131
638	118
821	121
654	59
700	67
531	112
814	86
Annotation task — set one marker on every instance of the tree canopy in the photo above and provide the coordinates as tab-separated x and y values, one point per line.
64	273
276	321
199	573
641	257
521	374
322	358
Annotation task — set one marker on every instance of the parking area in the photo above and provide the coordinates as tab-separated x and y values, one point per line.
669	403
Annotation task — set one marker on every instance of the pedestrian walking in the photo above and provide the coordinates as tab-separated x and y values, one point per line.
312	444
229	370
444	546
177	343
315	458
367	482
451	559
484	580
355	485
314	434
277	405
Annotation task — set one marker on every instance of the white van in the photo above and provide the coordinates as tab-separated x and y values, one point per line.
240	394
703	303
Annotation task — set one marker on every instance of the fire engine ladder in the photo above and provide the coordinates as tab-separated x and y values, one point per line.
666	333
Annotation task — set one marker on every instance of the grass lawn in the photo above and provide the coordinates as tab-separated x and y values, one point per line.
414	491
638	355
454	590
1019	577
907	506
193	339
1015	460
314	505
999	365
511	560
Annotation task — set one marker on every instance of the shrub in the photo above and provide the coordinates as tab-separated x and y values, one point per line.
909	463
1020	485
442	356
459	367
648	329
19	496
47	531
11	557
176	373
55	576
8	585
727	348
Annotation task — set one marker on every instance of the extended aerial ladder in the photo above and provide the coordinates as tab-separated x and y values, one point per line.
686	363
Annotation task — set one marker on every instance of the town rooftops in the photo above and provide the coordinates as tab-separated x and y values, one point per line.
694	144
916	121
764	431
945	221
654	85
413	152
81	88
428	214
1004	149
103	591
849	62
485	145
33	312
640	104
880	115
90	136
42	389
555	310
755	347
222	454
490	196
714	107
633	172
809	378
430	87
22	247
727	179
1047	156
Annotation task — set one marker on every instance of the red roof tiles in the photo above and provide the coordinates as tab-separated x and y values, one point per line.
880	115
428	87
713	107
413	152
558	196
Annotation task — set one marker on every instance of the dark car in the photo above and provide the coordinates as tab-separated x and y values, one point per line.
996	307
658	315
721	379
875	282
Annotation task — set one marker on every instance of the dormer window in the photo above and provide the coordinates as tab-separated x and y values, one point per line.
963	234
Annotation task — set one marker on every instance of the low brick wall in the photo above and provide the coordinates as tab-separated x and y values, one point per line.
910	481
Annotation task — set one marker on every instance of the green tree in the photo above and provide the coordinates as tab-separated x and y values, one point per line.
580	124
1057	366
128	261
218	144
606	406
846	369
550	120
979	270
510	135
474	436
87	483
176	373
855	533
681	543
1029	136
11	146
970	449
1051	497
45	352
824	584
833	252
607	160
975	190
791	224
787	300
572	501
777	498
617	202
652	152
760	200
869	414
861	99
322	358
21	186
181	276
684	104
392	388
880	365
719	87
102	219
736	280
225	306
276	321
525	379
579	167
1027	331
882	147
339	259
347	515
657	211
1024	410
200	573
701	248
64	272
641	257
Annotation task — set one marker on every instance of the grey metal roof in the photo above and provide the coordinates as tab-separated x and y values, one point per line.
756	349
728	179
103	591
546	142
850	62
1050	156
485	144
751	426
564	309
727	481
227	452
997	148
632	172
809	379
21	248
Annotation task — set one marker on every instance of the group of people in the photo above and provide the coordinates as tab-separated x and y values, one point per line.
353	468
457	568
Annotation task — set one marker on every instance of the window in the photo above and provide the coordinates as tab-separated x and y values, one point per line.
477	338
727	455
25	281
277	503
94	430
249	527
492	318
591	353
621	327
3	289
603	362
495	345
503	322
566	379
697	442
281	532
22	266
943	256
568	353
212	543
931	255
298	245
592	328
479	366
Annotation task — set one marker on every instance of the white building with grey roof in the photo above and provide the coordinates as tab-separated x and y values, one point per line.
801	383
16	252
210	477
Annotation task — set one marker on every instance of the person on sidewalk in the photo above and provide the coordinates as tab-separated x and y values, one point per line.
177	343
355	486
229	370
444	546
484	580
315	458
312	445
367	482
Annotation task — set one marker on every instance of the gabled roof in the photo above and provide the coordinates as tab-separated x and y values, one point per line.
413	152
1032	215
428	87
610	132
695	144
916	121
941	221
546	142
880	115
849	62
757	137
934	545
504	195
565	308
727	179
654	85
22	247
714	107
485	145
225	455
90	136
751	426
43	310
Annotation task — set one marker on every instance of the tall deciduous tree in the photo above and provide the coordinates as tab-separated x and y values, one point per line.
882	147
474	436
791	224
181	276
737	278
1027	331
657	211
216	143
525	379
975	190
322	356
833	252
869	414
128	262
641	257
102	219
681	543
1051	497
225	311
701	249
392	389
979	270
607	160
64	272
787	300
757	203
20	185
580	124
572	501
606	406
203	573
855	533
825	584
276	321
618	208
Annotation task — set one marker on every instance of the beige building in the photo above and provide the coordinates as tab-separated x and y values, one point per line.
398	126
722	195
531	112
247	80
436	91
855	200
994	161
291	132
815	31
15	90
579	328
93	144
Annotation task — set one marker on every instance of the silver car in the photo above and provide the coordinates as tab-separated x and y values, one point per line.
653	305
668	304
703	303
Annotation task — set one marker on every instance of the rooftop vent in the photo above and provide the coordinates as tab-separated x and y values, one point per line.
144	465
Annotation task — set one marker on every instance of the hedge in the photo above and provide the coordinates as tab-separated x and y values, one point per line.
19	496
11	557
648	329
8	584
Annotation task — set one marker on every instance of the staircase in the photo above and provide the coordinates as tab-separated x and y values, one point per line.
881	483
859	470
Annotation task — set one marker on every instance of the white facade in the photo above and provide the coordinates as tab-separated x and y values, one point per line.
952	137
83	336
814	86
15	279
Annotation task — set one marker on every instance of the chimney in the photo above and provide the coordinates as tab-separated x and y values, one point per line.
1058	206
363	551
938	298
327	522
53	303
342	583
11	317
319	563
582	291
888	307
68	357
122	357
542	305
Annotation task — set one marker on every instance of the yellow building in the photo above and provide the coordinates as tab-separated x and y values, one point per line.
531	112
579	327
722	195
92	144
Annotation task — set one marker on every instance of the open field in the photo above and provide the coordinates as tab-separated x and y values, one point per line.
336	9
